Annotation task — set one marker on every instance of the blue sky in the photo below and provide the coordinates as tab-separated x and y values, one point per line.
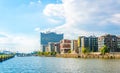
18	20
22	20
22	16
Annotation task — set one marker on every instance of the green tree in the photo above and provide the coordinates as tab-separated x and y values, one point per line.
46	53
69	51
104	49
85	50
53	53
39	53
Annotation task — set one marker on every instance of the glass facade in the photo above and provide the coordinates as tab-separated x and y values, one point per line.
89	42
50	37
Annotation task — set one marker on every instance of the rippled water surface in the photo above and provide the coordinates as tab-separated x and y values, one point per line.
59	65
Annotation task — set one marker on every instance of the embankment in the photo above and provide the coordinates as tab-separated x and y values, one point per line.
106	56
5	57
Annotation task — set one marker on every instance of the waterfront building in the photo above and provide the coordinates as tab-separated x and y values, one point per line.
109	40
118	44
43	47
79	42
93	43
51	46
88	42
65	46
49	37
54	47
57	47
82	42
74	46
47	49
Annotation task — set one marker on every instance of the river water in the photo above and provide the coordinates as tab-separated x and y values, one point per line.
59	65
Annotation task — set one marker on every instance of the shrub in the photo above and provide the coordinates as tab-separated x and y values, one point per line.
104	49
85	50
69	51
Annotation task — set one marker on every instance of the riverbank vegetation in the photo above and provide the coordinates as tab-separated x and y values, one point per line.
85	50
85	53
4	57
46	53
104	50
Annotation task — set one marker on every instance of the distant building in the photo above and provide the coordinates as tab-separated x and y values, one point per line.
51	47
65	46
109	40
88	42
79	41
54	47
93	43
118	44
84	42
49	37
79	44
57	47
43	47
47	49
6	52
74	46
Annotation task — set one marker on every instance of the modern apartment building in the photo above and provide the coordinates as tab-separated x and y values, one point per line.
43	48
65	46
57	47
74	46
118	44
51	47
93	43
88	42
79	41
109	40
54	47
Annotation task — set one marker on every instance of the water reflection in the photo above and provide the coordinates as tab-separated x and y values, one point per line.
59	65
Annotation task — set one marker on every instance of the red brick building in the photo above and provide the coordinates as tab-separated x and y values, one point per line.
65	46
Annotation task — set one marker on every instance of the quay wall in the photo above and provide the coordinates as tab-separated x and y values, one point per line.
106	56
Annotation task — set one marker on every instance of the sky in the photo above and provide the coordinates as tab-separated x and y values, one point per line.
21	21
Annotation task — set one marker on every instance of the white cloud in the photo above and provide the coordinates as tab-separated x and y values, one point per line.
34	3
54	10
20	43
54	21
80	12
55	13
73	33
26	43
37	29
84	16
115	19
